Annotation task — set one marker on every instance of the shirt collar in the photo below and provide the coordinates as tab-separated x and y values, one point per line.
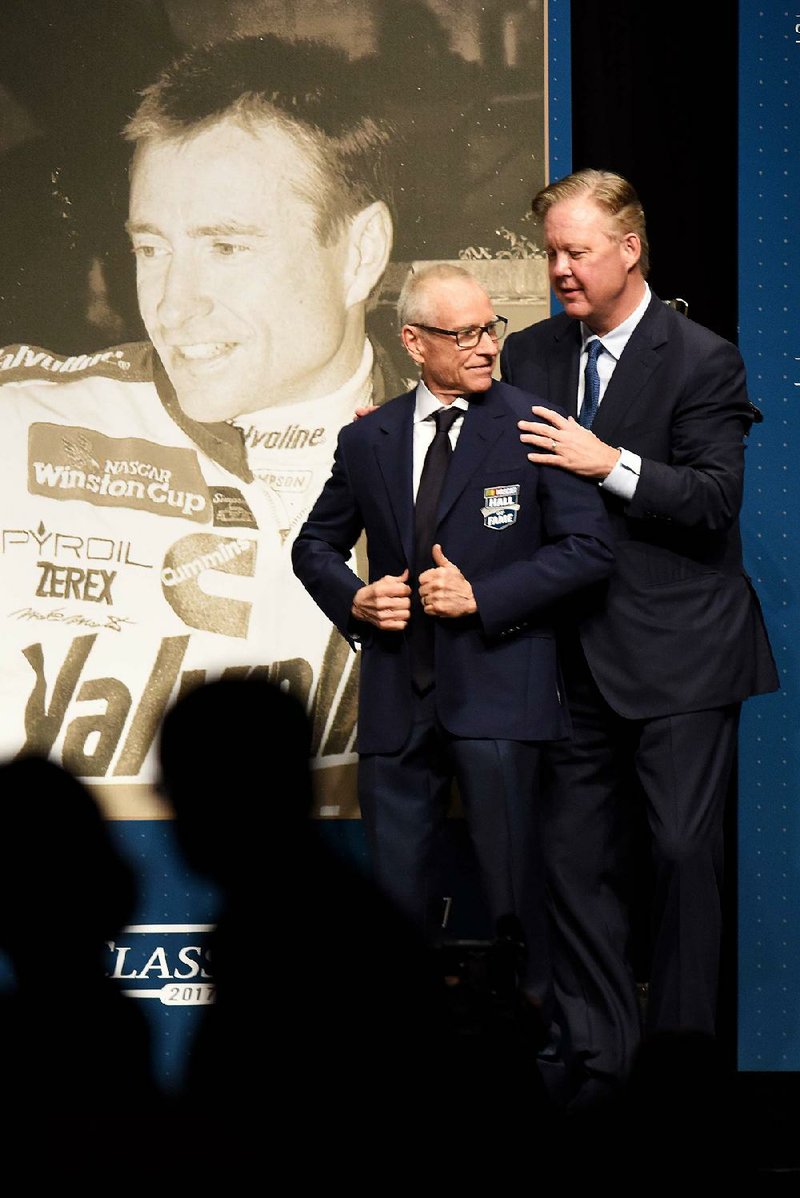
427	403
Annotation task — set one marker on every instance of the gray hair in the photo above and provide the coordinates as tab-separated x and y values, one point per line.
414	302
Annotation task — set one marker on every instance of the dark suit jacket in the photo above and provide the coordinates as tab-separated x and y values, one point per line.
496	672
678	626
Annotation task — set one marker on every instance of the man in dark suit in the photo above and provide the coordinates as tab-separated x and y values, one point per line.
506	547
657	659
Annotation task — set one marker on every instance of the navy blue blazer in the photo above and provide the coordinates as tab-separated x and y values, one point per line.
524	536
678	627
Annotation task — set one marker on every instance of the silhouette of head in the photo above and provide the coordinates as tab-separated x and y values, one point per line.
59	868
234	758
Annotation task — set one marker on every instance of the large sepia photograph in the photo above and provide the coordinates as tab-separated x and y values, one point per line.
191	307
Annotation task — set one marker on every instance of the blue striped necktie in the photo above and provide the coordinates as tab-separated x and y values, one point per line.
591	391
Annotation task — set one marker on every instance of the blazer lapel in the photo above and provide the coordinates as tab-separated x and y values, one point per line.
640	358
394	452
562	366
482	425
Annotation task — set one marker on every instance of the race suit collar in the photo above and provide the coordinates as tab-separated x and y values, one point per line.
223	443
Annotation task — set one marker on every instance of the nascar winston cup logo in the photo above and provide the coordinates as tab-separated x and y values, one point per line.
74	463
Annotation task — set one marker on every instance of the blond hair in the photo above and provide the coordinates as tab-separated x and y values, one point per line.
615	195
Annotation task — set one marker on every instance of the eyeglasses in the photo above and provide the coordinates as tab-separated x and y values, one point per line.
470	337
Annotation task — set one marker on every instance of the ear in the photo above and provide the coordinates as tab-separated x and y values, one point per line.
631	249
413	343
369	245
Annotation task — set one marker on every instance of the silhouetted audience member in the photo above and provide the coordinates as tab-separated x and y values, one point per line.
322	988
330	1008
75	1051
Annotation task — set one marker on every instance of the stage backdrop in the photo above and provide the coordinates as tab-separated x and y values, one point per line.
769	337
478	91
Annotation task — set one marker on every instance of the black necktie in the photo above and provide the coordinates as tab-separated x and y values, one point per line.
430	486
591	391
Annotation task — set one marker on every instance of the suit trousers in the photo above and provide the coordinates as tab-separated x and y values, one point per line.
618	785
405	798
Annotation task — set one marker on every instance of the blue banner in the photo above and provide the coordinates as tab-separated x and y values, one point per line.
769	338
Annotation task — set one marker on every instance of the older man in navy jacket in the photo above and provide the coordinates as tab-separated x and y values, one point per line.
508	545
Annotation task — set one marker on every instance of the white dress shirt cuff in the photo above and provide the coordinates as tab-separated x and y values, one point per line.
624	477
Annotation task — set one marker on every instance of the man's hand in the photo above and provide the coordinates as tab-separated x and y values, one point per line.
443	590
561	441
385	603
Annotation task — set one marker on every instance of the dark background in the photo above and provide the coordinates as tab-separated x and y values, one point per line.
655	97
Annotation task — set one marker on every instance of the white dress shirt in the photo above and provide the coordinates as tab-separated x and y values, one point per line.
425	428
623	478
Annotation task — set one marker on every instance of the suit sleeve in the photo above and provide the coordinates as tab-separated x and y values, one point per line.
324	545
700	486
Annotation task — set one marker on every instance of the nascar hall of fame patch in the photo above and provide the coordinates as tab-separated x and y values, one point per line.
500	506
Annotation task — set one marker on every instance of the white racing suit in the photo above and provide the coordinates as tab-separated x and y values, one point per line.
142	553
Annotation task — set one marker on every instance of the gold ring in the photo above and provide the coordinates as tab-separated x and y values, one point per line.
552	445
